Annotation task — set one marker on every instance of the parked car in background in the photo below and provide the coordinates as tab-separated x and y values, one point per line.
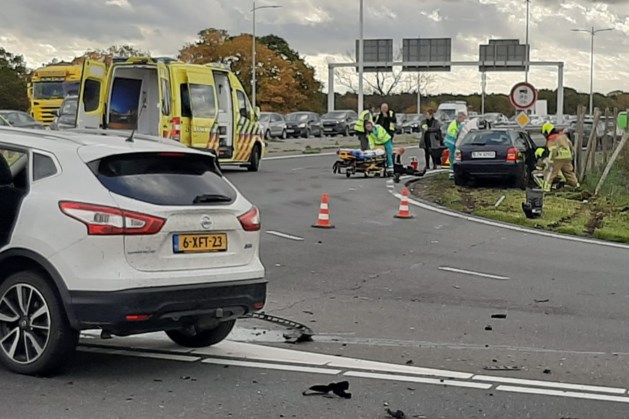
494	118
339	123
495	153
588	124
128	237
19	119
273	125
401	119
65	117
4	122
413	123
304	124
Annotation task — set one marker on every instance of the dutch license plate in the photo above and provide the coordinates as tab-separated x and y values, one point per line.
199	243
483	154
327	129
290	130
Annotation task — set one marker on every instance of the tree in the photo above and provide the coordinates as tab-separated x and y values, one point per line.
107	55
13	79
285	83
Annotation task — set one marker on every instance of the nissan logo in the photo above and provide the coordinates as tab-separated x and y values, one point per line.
206	222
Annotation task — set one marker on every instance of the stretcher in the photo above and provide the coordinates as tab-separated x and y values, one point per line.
367	162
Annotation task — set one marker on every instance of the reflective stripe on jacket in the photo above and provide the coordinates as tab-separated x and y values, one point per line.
362	119
452	133
382	120
378	136
560	147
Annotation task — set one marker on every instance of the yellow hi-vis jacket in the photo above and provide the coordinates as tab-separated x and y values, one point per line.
365	116
378	136
560	148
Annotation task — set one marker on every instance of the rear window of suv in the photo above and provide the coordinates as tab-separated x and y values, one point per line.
486	138
168	178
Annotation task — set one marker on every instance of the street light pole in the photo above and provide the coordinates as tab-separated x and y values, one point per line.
592	33
528	48
361	59
253	51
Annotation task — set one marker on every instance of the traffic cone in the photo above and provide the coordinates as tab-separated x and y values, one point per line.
324	214
404	211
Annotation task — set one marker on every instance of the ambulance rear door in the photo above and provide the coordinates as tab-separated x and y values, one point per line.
166	102
203	109
226	109
92	95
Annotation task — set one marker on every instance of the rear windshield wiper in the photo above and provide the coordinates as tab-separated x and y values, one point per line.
206	199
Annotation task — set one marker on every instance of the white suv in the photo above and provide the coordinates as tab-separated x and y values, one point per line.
127	235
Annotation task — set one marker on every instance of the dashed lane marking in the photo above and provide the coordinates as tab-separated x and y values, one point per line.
472	273
285	236
559	393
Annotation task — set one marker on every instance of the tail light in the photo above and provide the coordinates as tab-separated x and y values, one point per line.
108	221
176	132
512	154
250	221
457	155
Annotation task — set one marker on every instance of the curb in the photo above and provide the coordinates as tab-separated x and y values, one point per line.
421	203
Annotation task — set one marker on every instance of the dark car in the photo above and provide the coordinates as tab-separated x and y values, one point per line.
507	154
401	119
413	123
19	119
66	115
339	123
304	124
588	125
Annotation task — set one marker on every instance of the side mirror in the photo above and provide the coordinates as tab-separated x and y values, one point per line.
257	112
244	113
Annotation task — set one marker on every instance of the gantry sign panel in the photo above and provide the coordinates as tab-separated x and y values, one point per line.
434	53
503	55
379	51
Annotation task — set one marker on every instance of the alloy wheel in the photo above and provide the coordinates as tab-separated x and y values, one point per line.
24	323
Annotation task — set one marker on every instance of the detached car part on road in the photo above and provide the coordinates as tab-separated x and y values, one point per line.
495	153
126	235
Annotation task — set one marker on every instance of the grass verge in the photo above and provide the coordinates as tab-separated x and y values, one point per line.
566	212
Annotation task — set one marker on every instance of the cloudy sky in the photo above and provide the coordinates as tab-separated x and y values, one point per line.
325	30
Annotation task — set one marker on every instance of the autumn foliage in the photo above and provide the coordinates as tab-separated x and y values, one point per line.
285	83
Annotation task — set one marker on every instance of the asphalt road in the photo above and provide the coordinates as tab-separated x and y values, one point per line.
381	289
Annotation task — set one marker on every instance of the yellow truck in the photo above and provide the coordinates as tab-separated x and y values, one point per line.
201	106
49	86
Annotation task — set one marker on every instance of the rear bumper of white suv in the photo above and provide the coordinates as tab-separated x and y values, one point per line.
142	310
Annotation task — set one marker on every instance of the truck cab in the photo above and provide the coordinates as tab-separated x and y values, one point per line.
201	106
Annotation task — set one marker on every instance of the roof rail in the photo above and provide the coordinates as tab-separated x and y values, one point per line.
217	64
165	60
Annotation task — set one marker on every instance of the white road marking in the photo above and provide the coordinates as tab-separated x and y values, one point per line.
511	227
409	379
558	393
298	156
153	355
465	272
548	384
285	236
280	367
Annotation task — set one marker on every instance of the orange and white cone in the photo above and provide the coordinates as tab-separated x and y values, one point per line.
324	213
404	211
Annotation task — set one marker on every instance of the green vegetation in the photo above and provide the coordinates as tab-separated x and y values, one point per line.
566	212
311	150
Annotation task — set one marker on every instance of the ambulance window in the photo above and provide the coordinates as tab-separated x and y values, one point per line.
242	102
186	112
165	97
91	95
202	101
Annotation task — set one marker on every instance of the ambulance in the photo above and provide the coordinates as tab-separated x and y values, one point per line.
202	106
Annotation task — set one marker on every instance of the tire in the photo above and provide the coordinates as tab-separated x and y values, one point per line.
346	132
522	181
203	338
284	135
307	134
267	135
320	135
460	180
44	339
254	160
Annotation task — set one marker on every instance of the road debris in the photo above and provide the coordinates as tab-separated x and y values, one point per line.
340	389
500	201
547	371
545	300
398	414
498	316
296	333
409	362
488	328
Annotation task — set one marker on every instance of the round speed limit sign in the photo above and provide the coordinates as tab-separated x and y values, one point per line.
523	96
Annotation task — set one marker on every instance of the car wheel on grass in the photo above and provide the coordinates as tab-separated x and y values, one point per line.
35	335
203	338
284	135
307	133
460	180
346	131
